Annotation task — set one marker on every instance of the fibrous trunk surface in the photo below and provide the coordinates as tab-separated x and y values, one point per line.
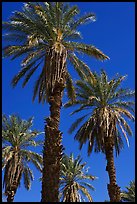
13	173
52	152
113	188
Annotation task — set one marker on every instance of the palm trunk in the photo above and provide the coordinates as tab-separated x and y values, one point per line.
11	192
52	148
70	197
55	70
113	188
13	173
10	197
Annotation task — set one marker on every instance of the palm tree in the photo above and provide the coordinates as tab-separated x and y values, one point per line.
129	194
74	180
45	34
106	105
17	137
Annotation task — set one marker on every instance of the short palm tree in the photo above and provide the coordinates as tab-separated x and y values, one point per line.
45	34
107	106
17	137
74	180
129	194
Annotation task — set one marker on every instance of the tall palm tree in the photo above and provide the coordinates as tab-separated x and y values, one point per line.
129	194
45	34
74	180
17	137
107	106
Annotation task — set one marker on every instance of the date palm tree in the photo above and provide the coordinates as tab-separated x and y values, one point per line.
74	180
107	107
46	34
17	137
129	194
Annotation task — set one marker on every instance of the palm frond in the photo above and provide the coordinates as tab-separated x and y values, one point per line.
89	50
76	123
26	179
109	112
72	177
70	88
82	20
31	72
17	135
85	192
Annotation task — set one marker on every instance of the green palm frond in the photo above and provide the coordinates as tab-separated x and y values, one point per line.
129	105
118	142
17	136
122	94
76	123
85	192
89	50
73	35
70	88
82	20
129	194
32	156
73	178
69	14
41	31
73	60
87	185
30	73
22	72
30	174
102	99
7	154
26	179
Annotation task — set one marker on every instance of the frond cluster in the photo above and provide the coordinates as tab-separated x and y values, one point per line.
44	33
17	137
129	194
107	106
74	180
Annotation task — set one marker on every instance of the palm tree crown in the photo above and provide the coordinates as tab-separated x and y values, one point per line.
129	194
17	137
107	105
74	180
46	33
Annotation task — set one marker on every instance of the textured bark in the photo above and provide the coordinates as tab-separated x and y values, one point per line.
11	192
113	188
53	148
71	196
55	72
10	197
12	176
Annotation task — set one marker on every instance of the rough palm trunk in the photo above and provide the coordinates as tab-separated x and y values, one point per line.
13	174
12	191
68	197
113	188
71	196
10	197
52	152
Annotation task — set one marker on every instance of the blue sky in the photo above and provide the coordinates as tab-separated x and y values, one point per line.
114	34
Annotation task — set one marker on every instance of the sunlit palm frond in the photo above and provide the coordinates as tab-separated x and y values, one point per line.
74	179
129	194
17	136
70	88
108	114
43	32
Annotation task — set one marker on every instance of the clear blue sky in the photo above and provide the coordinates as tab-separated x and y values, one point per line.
114	34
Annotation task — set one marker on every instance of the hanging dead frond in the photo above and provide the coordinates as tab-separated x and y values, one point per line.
55	67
